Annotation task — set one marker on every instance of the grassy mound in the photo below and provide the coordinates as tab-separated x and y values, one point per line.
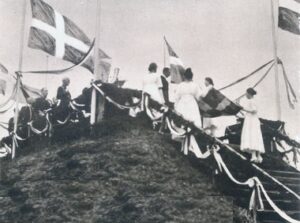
126	173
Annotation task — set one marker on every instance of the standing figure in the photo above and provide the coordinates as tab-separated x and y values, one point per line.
41	104
152	84
62	92
186	97
208	125
165	84
61	111
251	139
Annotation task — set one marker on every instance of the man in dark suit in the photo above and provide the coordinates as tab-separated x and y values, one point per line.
41	104
165	89
165	83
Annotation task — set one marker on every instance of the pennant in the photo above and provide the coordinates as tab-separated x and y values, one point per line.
58	36
176	66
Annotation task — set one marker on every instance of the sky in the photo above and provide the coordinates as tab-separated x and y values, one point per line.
221	39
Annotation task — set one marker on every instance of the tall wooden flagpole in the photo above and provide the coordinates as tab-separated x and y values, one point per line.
274	36
164	46
18	77
97	74
47	68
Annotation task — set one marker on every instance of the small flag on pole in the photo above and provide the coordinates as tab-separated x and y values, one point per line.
289	16
176	66
58	36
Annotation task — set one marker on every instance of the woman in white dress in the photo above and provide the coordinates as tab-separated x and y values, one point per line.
152	84
186	96
251	139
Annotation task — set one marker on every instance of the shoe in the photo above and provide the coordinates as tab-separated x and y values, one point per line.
259	159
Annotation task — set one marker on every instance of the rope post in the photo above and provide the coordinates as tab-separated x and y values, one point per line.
97	73
14	146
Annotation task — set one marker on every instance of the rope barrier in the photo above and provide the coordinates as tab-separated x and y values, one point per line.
40	132
258	82
148	111
114	102
246	77
289	89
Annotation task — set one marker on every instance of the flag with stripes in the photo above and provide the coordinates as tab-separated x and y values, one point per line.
176	66
215	104
289	16
58	36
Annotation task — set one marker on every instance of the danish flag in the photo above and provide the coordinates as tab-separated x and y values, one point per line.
57	35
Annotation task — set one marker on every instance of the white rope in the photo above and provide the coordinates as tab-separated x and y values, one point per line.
7	150
149	112
190	144
65	121
174	129
39	132
114	102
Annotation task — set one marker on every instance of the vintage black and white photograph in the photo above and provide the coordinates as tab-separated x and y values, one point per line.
150	111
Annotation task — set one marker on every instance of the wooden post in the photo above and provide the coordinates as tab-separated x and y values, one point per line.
274	37
19	76
97	102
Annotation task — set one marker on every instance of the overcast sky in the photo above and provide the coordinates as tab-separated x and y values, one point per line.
221	39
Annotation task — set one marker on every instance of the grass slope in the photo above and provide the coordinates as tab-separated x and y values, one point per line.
124	174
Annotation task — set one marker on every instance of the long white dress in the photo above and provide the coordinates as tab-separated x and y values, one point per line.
152	84
251	139
186	96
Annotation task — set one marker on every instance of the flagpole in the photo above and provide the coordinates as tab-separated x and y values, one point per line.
96	67
164	46
274	37
18	78
47	68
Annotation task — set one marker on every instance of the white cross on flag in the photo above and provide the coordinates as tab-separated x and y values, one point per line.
57	35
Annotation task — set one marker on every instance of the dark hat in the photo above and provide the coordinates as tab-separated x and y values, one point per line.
251	91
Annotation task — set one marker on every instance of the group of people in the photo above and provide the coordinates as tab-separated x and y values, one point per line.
38	107
188	93
186	97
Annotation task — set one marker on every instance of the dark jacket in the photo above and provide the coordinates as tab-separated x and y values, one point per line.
165	88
